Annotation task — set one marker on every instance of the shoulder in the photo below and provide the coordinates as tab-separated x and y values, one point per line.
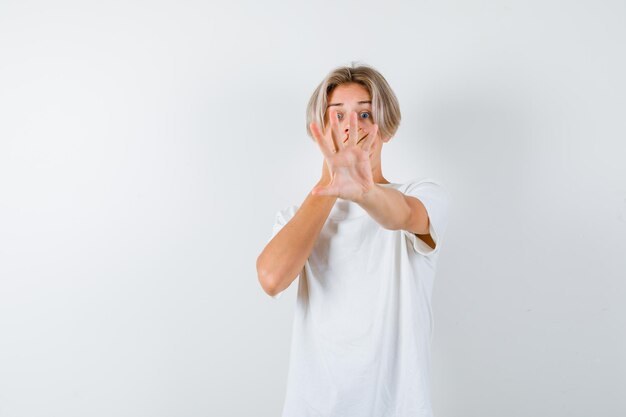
424	185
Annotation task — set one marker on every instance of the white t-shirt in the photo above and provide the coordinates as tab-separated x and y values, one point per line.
363	319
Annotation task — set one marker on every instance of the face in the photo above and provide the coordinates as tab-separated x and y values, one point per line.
349	97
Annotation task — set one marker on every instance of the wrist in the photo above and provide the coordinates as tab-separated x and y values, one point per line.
368	195
323	181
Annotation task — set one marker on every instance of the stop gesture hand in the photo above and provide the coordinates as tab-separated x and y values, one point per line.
347	159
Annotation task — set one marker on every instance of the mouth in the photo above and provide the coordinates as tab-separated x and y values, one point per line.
359	141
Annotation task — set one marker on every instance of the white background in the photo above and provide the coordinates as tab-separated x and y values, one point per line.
145	148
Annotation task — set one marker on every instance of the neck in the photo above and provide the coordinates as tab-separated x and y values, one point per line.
377	173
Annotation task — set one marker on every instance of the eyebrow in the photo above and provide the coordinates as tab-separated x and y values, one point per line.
341	104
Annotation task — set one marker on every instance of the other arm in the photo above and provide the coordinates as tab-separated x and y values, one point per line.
397	211
285	255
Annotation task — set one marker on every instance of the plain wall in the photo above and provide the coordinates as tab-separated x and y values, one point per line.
145	148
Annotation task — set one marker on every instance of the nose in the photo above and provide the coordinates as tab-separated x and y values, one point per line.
344	124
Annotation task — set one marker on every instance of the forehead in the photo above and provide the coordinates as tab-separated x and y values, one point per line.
348	92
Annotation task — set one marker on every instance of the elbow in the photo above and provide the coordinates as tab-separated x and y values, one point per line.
268	283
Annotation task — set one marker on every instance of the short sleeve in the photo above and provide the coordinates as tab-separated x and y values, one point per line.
436	198
282	218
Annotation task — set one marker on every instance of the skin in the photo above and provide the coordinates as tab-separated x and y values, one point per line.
353	172
352	148
357	161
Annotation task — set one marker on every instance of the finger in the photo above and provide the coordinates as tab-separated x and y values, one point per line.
345	139
334	129
333	136
362	139
370	139
354	129
323	141
325	147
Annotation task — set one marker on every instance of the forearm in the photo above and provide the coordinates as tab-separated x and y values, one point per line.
285	255
387	206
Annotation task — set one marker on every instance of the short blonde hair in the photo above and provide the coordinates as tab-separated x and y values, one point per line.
385	107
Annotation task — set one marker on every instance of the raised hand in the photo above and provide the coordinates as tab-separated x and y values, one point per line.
347	159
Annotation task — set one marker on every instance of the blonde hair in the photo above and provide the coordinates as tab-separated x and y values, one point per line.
385	107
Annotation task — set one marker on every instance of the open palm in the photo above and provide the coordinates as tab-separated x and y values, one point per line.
348	161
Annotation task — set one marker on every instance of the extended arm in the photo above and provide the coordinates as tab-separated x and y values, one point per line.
397	211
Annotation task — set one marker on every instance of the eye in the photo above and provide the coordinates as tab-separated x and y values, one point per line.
369	115
339	116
